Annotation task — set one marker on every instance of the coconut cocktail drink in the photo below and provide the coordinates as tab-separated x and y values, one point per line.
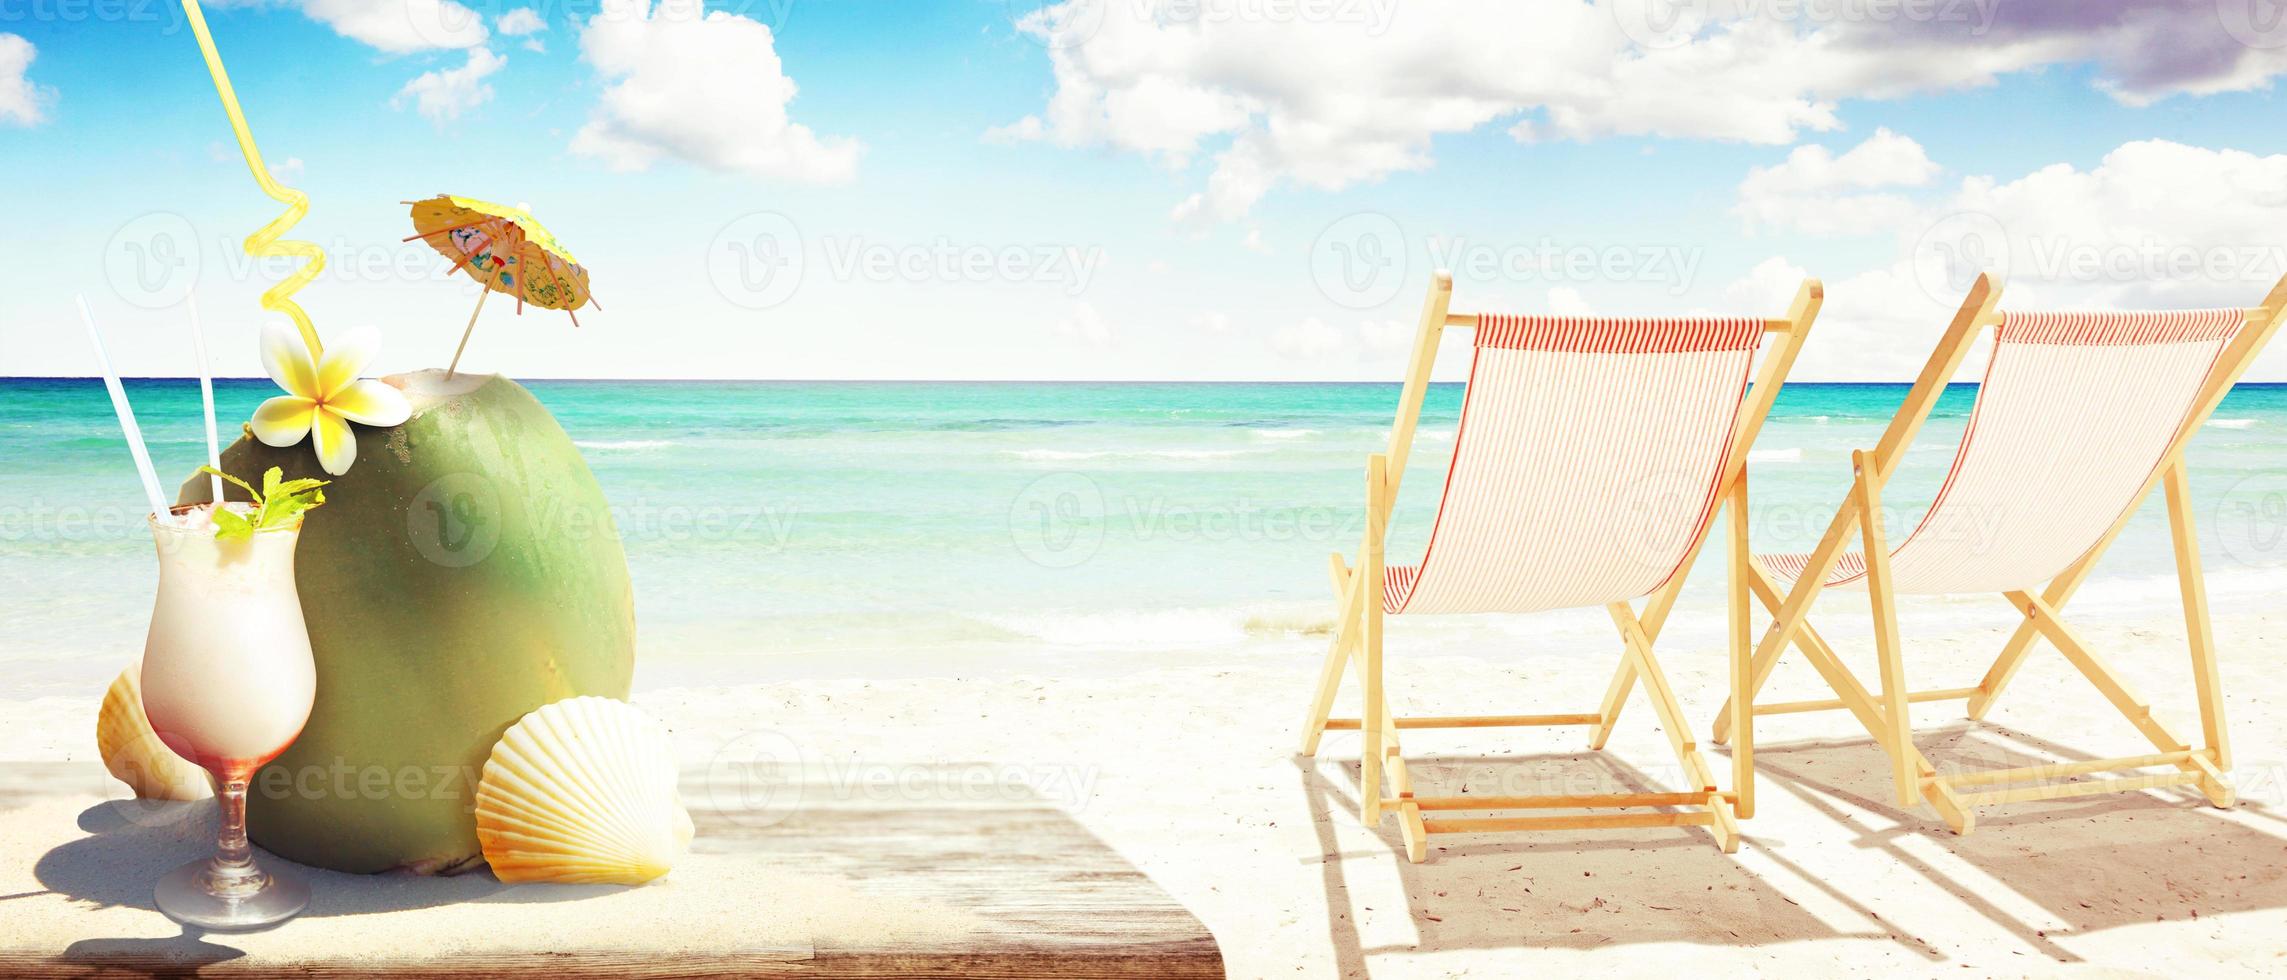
227	682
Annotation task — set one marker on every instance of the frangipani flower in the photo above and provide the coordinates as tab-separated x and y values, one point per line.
325	395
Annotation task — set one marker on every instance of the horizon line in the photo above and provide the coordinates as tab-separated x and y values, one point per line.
96	379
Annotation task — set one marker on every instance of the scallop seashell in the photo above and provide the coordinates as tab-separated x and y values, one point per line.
582	791
133	752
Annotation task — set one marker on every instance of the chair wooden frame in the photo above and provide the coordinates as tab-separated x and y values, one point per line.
1359	631
1886	714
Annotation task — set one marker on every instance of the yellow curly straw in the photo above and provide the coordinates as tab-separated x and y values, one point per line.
279	298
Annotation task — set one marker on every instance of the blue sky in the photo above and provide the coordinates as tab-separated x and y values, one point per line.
1131	188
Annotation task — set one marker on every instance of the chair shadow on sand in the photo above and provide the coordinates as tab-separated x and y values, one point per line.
128	844
2096	862
1728	905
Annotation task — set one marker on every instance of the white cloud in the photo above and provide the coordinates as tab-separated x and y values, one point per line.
703	87
519	22
1310	340
1330	95
1213	321
1254	242
1567	301
287	172
22	103
2154	224
401	26
444	94
1385	335
1818	192
1087	325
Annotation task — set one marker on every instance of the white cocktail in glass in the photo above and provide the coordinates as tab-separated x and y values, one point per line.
227	683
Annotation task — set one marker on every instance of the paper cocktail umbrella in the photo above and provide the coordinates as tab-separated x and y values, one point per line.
506	250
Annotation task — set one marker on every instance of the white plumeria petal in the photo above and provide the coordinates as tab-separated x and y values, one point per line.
370	402
335	443
283	421
288	361
345	359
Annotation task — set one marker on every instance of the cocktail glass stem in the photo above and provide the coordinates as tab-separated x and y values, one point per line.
228	890
232	875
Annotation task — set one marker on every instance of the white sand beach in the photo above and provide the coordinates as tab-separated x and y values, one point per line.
1188	772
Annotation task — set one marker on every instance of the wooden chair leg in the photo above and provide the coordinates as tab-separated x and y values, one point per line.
1759	667
1742	657
1654	619
1723	824
1396	772
2060	590
2126	701
2199	632
1899	724
1337	658
1615	696
1861	705
1370	584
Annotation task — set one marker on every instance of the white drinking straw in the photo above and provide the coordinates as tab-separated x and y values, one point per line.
126	414
206	395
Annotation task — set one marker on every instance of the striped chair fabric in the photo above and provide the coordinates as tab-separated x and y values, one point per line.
1587	462
2075	412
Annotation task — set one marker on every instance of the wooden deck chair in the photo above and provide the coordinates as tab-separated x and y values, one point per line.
2079	416
1592	458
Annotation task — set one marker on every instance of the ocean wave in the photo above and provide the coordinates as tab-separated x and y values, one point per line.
629	444
1128	628
1775	455
2233	423
1284	433
1071	455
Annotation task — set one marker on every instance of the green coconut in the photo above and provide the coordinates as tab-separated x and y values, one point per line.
463	573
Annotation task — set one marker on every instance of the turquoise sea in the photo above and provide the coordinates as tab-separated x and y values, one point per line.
868	527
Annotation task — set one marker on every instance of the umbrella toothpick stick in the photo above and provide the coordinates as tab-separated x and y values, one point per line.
469	330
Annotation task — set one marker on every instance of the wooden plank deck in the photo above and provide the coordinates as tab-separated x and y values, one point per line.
842	885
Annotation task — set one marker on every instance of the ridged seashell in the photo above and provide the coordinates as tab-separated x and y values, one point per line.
582	791
134	753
